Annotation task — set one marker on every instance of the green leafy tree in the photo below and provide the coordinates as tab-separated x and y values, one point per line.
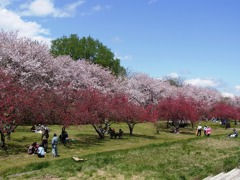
88	49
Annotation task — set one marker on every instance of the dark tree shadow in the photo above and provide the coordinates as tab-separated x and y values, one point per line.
85	141
141	136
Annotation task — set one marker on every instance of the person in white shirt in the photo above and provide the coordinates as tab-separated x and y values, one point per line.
199	130
41	152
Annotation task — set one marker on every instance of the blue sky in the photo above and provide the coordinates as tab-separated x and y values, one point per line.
197	40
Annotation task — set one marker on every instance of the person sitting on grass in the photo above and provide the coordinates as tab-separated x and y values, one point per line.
234	134
33	148
119	134
208	131
111	132
41	152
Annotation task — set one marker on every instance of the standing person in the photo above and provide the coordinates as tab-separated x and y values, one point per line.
45	133
45	143
54	145
199	130
205	129
208	131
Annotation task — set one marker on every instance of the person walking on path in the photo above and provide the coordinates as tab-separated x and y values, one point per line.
54	145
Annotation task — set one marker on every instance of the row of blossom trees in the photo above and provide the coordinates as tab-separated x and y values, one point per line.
38	88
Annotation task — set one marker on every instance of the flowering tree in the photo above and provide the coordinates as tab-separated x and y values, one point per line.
142	89
12	96
33	66
225	111
27	60
62	91
205	96
235	101
43	106
90	106
132	113
178	110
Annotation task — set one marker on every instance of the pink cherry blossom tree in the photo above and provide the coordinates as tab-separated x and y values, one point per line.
178	110
12	98
132	113
33	66
225	111
90	106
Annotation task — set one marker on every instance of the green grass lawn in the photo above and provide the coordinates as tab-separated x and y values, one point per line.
145	155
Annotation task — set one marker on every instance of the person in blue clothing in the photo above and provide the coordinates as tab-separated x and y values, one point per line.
54	145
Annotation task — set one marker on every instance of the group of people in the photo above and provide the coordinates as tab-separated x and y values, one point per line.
114	134
38	128
41	149
206	129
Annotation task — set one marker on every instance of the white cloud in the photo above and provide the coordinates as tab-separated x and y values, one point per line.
117	39
100	8
73	6
47	8
226	94
237	88
4	3
202	82
97	8
126	57
13	21
41	8
10	21
173	75
152	1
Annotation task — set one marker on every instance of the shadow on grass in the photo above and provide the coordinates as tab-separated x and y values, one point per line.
3	152
13	149
141	136
22	139
187	132
23	129
85	141
181	131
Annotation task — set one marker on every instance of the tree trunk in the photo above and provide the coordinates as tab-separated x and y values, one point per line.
176	125
177	129
3	140
99	132
9	131
192	123
63	129
167	124
131	126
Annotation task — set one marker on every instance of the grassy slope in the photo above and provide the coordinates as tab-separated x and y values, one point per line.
146	155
